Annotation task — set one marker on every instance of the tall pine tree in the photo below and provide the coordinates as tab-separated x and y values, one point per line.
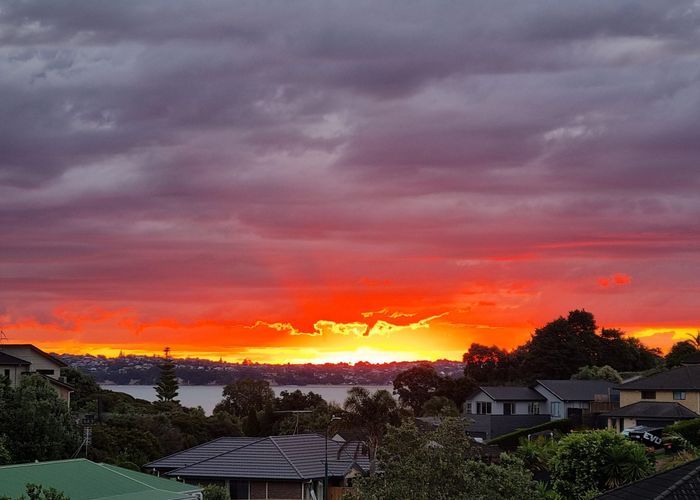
167	382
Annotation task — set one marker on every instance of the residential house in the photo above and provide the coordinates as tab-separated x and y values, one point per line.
83	479
273	467
658	400
578	399
678	483
18	359
497	410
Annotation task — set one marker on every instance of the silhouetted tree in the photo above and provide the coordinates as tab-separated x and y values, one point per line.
370	413
242	395
487	364
416	385
167	387
679	352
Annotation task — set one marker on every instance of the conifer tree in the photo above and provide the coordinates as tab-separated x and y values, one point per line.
167	382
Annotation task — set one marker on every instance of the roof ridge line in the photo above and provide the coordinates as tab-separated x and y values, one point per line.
152	488
216	456
679	483
286	457
192	448
548	388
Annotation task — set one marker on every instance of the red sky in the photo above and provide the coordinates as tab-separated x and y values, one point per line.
341	182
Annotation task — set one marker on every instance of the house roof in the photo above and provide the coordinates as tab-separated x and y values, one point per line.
683	378
654	409
679	483
10	347
577	390
199	453
512	393
55	381
692	359
6	359
297	457
82	479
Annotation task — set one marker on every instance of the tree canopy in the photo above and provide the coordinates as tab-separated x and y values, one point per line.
557	351
36	422
441	465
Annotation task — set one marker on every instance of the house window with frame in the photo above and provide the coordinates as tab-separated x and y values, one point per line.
555	409
468	408
679	395
508	408
648	394
483	408
533	408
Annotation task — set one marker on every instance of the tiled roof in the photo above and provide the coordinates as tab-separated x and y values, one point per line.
199	453
654	409
512	393
297	457
679	483
577	390
683	378
6	359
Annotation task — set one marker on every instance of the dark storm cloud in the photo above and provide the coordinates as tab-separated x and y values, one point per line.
235	139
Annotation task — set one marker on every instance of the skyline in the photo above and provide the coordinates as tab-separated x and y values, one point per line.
346	181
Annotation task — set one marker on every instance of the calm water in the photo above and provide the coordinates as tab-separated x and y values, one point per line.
207	396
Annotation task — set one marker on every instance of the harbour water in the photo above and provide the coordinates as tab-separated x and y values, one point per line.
207	396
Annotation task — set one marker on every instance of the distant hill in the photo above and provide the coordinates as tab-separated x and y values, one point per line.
143	370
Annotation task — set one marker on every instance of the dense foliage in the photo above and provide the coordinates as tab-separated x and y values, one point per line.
38	492
688	429
589	462
417	385
557	351
441	465
606	372
36	424
511	440
370	414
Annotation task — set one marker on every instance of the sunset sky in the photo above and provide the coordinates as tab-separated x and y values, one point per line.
343	181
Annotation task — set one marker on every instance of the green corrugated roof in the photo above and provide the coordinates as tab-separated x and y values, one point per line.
82	479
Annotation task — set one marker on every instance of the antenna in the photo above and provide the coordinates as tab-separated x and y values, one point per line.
3	336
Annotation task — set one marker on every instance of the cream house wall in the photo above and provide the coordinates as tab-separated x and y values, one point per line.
691	401
38	362
15	372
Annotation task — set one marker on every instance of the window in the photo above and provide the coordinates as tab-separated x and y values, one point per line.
555	409
483	408
469	408
45	372
533	408
648	394
7	373
679	395
508	408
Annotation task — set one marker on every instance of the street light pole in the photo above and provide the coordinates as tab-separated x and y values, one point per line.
325	474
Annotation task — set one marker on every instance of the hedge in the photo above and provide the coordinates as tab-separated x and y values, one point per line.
511	440
689	429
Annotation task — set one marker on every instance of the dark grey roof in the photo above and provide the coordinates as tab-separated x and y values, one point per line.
204	451
683	378
691	359
577	390
512	393
654	409
298	457
6	359
679	483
